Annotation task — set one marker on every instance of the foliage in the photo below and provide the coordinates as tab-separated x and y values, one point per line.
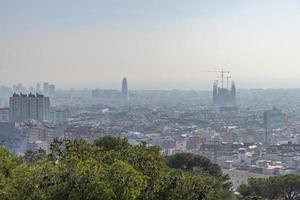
201	165
110	168
112	143
188	161
7	162
34	156
253	198
277	187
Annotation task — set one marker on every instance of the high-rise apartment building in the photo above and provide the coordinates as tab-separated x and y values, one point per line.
24	107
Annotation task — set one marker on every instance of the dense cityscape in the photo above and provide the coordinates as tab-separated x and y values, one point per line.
149	100
249	133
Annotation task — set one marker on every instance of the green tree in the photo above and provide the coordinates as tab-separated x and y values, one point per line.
112	143
7	162
110	169
56	149
278	187
181	185
127	183
188	161
202	166
34	156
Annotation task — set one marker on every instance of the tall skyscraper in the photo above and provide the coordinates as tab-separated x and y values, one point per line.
24	107
233	91
46	88
215	92
125	94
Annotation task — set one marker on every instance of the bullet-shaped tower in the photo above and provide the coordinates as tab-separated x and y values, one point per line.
125	94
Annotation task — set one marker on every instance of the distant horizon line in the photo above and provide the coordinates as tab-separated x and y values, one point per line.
133	90
148	86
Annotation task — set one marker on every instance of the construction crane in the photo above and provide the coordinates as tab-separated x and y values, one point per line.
228	77
222	72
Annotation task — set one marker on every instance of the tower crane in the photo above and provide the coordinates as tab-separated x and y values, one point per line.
222	72
228	77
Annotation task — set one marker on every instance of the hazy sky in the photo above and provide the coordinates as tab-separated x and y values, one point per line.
156	44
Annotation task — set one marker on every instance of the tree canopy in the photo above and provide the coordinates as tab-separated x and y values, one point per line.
110	168
276	187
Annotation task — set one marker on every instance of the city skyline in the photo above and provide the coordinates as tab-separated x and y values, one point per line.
149	99
156	45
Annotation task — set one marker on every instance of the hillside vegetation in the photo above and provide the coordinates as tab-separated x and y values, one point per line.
109	169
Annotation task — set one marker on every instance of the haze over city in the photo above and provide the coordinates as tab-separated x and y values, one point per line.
157	44
149	99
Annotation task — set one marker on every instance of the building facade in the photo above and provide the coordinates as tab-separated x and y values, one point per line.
24	107
4	114
224	96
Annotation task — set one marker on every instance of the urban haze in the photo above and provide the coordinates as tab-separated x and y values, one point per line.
150	100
